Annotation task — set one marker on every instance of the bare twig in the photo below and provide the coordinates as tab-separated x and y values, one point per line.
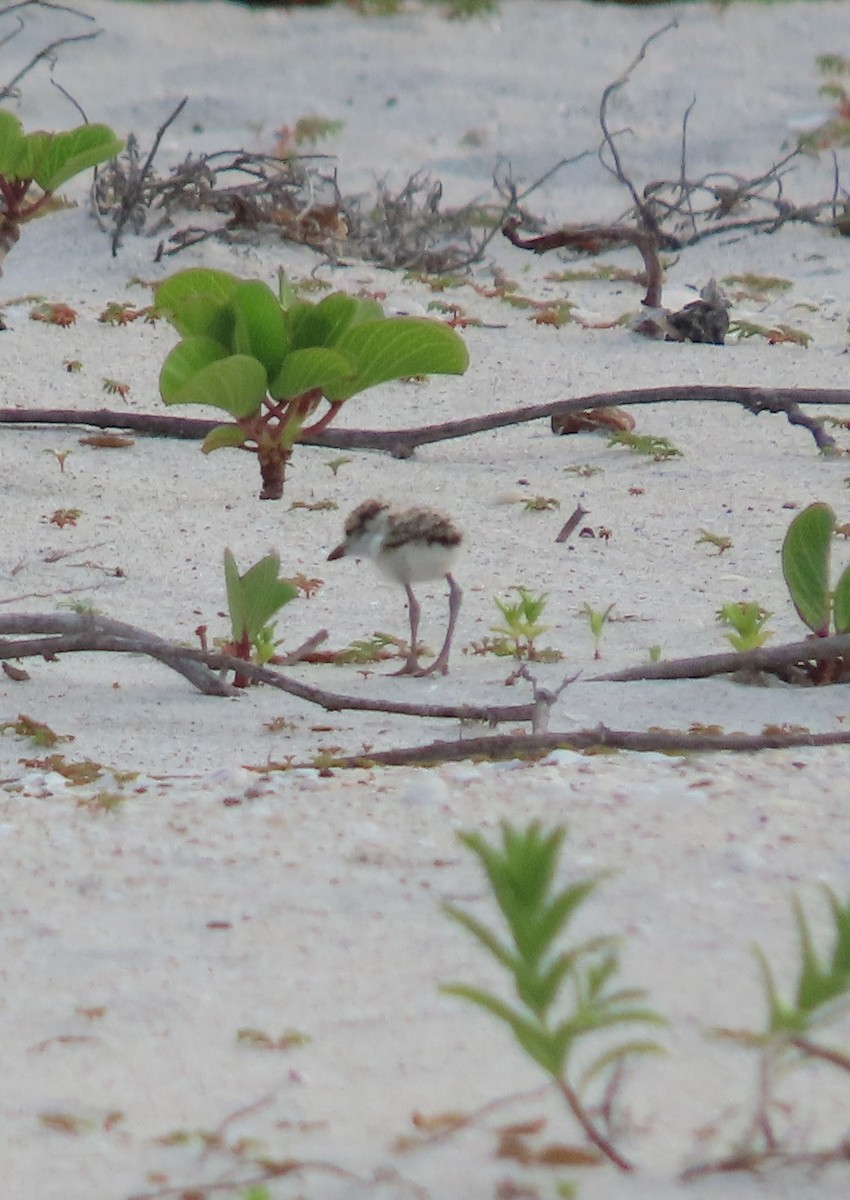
79	632
591	239
47	53
773	659
137	179
647	220
402	443
531	746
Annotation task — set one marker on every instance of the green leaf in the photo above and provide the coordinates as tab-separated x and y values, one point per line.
11	144
537	1042
253	598
323	324
805	565
480	931
397	348
841	603
183	363
817	986
615	1056
197	302
304	370
223	436
67	154
259	328
237	384
237	603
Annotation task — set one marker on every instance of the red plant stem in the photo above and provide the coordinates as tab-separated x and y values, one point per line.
323	422
598	1139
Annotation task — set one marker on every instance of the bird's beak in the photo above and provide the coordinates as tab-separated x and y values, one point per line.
338	552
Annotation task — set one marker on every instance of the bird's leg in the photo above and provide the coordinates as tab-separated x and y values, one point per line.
411	666
441	662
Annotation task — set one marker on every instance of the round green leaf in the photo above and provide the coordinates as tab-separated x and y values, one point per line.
11	144
805	565
325	323
197	302
236	383
396	348
223	436
841	603
259	328
69	153
184	362
304	370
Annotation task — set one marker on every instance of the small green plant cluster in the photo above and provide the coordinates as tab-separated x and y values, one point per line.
271	361
566	995
791	1041
745	620
597	619
252	600
521	624
656	448
45	160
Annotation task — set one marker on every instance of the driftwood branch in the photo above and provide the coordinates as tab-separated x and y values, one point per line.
80	632
500	747
402	443
594	239
774	660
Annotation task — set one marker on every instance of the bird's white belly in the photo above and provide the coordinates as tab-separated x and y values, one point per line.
417	561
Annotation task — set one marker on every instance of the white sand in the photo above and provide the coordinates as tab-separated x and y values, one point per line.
329	888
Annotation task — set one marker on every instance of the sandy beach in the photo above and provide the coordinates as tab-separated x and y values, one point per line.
196	939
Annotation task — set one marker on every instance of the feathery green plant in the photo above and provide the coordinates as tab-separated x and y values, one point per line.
564	995
791	1039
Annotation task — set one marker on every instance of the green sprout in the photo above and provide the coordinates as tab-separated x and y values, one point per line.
253	599
806	569
746	620
565	996
657	448
597	620
521	622
721	541
46	160
791	1039
271	361
334	464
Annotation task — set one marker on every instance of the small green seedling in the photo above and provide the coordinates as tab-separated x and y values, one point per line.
61	457
775	335
521	622
657	448
805	567
565	995
597	620
791	1039
720	541
334	464
271	361
46	160
375	649
541	503
253	599
746	620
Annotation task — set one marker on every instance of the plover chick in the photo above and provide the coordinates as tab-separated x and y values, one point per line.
410	546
